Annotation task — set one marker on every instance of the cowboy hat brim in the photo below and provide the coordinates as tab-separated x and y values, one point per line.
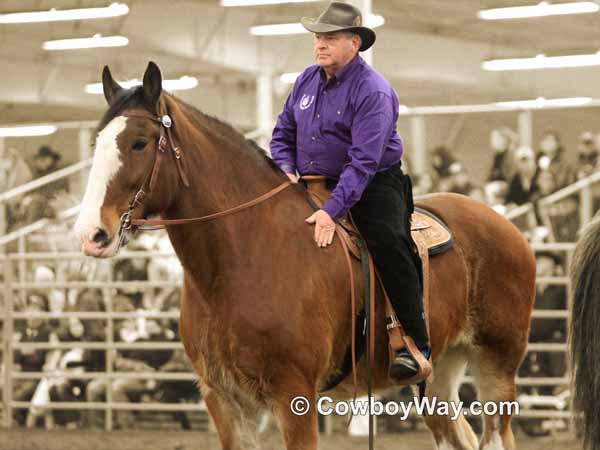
366	34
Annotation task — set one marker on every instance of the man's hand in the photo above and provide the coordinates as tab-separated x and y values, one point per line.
324	227
292	177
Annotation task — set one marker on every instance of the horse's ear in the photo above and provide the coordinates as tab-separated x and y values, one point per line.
109	85
152	86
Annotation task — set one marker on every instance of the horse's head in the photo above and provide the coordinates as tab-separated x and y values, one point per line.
126	148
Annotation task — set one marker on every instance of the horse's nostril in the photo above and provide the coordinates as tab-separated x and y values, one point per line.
100	237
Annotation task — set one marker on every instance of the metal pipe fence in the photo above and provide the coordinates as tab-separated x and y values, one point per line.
11	316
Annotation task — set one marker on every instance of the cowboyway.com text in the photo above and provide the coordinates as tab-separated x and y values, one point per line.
430	406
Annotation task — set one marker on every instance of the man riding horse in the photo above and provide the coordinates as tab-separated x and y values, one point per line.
340	121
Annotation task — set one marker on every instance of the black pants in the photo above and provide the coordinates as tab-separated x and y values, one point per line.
383	217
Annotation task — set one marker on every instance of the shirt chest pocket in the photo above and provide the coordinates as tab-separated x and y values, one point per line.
337	120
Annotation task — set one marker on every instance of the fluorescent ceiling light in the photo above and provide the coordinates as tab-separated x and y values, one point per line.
37	130
179	84
289	78
542	9
96	41
539	103
542	102
228	3
542	62
53	15
278	29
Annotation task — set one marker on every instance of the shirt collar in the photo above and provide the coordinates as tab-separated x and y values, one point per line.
345	71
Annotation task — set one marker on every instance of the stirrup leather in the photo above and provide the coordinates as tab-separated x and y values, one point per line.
399	340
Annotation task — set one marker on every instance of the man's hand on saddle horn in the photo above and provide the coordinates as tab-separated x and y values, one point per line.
324	227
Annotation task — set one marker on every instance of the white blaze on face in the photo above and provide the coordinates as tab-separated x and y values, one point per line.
105	165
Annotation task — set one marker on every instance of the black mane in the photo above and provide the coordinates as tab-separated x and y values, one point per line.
134	98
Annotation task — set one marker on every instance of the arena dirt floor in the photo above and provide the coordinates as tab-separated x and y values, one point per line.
178	440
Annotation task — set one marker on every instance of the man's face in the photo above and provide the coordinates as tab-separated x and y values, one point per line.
43	162
334	50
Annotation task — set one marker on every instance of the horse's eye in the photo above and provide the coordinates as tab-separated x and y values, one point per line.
138	146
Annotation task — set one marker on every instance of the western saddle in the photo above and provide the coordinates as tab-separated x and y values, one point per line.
431	236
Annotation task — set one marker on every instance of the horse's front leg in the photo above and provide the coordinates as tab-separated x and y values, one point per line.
295	410
224	417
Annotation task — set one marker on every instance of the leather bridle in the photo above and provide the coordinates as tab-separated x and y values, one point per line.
166	138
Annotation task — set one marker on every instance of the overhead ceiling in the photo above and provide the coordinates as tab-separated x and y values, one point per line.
431	51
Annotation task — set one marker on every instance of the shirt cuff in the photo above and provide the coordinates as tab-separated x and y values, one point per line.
334	208
288	168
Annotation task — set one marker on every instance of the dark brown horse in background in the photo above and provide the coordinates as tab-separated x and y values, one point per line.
265	315
585	330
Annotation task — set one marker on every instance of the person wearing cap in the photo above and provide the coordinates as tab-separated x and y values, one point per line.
523	185
340	121
587	155
45	161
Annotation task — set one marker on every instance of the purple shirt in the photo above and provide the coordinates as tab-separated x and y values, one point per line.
344	129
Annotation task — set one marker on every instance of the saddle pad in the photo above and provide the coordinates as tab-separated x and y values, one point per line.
431	230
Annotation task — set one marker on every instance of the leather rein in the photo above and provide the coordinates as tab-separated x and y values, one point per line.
166	138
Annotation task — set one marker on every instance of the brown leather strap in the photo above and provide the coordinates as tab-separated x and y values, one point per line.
371	312
154	176
339	230
233	210
178	159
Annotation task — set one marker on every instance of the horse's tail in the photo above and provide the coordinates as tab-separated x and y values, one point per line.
585	331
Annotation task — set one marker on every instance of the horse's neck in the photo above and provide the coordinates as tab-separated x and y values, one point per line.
219	179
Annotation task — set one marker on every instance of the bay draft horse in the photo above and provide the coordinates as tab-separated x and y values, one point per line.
265	314
585	330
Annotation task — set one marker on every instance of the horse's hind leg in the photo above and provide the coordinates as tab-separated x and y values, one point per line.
495	378
448	433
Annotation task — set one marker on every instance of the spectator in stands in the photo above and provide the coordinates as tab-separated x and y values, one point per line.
441	161
424	184
36	330
523	185
548	297
552	157
495	195
126	389
41	202
561	215
460	183
174	391
587	157
504	143
88	300
14	172
132	269
45	161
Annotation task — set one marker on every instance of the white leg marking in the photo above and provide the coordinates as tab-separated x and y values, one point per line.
495	443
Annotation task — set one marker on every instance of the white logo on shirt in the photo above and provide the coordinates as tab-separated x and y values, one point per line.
306	101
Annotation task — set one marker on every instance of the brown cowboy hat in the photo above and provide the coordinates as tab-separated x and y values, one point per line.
341	17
